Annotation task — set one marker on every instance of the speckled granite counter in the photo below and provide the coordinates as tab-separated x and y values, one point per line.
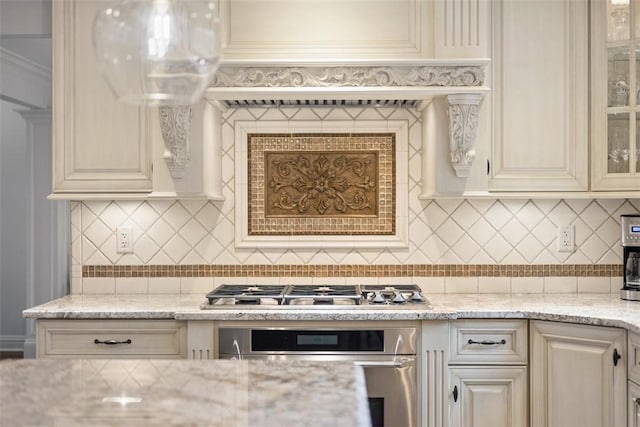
593	309
179	392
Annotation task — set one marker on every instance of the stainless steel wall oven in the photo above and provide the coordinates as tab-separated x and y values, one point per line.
388	356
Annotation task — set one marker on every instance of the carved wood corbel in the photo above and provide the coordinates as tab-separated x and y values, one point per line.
463	129
175	123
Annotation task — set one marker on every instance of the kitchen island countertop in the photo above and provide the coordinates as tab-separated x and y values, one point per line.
594	309
213	393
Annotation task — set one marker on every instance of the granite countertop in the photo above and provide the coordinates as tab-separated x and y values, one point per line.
224	393
595	309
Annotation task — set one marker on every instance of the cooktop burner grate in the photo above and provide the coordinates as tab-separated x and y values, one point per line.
247	293
323	294
319	295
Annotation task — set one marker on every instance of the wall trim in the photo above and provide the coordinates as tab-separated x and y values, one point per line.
10	58
12	342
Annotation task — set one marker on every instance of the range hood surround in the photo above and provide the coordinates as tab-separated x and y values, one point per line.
390	83
316	84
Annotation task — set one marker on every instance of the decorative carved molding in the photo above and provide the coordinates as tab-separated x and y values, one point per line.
331	184
463	128
346	76
175	123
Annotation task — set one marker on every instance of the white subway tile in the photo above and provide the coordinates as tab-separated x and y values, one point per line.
490	285
217	281
527	285
461	285
616	284
76	285
196	285
132	285
164	285
99	285
560	285
430	285
328	281
594	284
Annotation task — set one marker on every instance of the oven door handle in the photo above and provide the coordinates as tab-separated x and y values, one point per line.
404	363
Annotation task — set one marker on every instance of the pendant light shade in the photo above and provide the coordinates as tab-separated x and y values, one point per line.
158	52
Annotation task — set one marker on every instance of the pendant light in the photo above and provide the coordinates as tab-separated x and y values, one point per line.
158	52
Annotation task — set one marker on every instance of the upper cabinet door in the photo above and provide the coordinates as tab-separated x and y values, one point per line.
615	94
326	29
100	145
540	96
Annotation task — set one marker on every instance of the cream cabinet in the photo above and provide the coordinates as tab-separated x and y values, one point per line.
578	375
158	339
99	145
633	390
615	95
493	396
633	398
540	96
488	373
107	149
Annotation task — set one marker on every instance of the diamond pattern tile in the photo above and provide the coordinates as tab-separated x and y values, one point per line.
498	215
513	231
441	231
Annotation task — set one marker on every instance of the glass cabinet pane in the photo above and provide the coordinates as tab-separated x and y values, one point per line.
618	71
618	22
618	143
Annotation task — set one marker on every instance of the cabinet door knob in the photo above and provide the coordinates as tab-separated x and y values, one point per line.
455	393
111	342
616	356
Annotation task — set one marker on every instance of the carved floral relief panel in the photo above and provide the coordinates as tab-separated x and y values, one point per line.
321	184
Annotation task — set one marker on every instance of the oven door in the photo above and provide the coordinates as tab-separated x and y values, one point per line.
391	390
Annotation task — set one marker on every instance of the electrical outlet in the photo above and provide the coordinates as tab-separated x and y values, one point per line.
566	238
124	240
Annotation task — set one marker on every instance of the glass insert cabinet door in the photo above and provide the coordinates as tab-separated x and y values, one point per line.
615	56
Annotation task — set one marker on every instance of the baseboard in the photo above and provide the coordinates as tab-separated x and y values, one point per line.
12	343
29	351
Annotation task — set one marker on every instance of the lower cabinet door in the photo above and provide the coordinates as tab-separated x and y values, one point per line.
578	375
634	405
488	396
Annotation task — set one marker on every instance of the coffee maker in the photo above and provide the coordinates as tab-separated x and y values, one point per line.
630	257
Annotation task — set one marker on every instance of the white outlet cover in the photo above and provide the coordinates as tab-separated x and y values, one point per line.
124	240
566	238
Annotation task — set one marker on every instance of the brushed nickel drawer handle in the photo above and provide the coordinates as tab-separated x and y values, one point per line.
488	342
111	342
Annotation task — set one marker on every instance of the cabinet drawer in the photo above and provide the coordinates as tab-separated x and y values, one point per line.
488	342
112	338
633	361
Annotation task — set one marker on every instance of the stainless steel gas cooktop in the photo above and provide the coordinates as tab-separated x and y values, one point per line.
308	296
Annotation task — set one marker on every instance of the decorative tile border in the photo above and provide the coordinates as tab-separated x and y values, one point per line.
411	270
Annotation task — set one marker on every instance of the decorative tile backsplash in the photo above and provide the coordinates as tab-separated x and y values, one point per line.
491	234
321	184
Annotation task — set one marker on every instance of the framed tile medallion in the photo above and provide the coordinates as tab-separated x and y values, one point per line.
328	188
321	184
